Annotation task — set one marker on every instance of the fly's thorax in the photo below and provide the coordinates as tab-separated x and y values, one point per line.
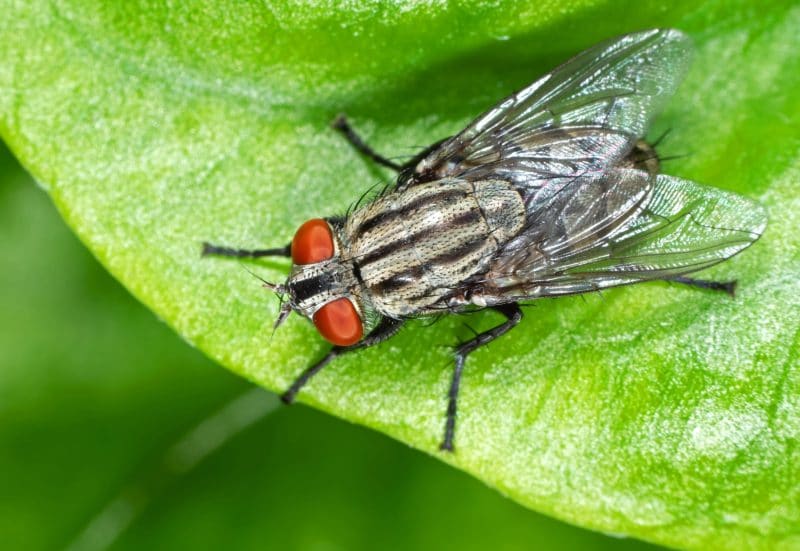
415	249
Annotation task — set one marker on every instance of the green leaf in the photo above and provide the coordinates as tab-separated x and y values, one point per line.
660	412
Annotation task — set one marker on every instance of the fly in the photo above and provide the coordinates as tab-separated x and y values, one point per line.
551	192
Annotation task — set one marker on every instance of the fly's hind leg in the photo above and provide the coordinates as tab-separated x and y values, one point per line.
728	287
513	315
340	123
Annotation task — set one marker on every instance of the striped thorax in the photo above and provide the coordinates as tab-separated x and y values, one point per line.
414	250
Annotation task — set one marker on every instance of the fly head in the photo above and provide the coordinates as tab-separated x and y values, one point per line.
321	286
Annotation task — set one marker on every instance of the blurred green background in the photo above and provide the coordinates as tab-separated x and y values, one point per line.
114	433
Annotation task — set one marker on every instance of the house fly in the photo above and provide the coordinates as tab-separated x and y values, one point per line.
550	192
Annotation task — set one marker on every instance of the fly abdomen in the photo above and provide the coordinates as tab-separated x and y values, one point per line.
644	157
415	248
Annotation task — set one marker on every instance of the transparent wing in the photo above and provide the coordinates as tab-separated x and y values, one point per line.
584	115
622	227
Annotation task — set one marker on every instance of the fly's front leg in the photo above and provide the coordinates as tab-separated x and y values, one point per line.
218	250
385	329
513	313
340	123
726	286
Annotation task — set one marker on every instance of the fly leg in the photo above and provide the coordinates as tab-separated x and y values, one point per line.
513	313
340	123
726	286
385	329
216	250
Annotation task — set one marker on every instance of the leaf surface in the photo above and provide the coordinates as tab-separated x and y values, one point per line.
655	411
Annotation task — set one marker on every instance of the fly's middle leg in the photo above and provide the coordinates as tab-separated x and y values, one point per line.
513	313
340	123
725	286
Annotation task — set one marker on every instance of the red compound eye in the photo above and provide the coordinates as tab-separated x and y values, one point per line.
339	323
313	242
